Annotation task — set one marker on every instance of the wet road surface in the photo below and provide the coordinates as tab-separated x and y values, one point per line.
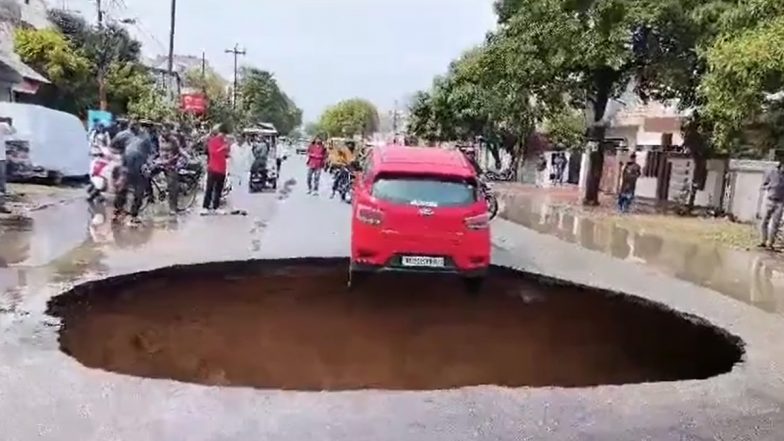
754	278
296	326
47	395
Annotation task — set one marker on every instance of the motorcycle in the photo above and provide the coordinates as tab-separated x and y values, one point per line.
263	177
345	186
489	195
105	176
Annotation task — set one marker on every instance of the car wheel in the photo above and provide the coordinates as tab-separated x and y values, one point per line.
474	285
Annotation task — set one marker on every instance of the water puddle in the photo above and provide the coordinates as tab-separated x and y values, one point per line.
754	278
293	325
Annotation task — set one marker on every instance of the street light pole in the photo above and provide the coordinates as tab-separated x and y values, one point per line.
236	52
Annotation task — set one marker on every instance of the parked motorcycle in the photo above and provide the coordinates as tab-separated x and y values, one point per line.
490	197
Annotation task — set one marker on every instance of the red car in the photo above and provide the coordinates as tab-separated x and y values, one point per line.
422	210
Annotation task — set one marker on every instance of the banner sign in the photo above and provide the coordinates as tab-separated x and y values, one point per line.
99	116
195	103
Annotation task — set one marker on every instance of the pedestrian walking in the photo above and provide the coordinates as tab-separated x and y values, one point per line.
631	172
773	184
217	160
281	154
317	158
6	129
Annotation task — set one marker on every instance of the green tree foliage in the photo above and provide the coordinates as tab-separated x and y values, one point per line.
112	43
350	117
313	129
219	107
50	53
744	68
215	87
110	49
566	129
262	100
152	106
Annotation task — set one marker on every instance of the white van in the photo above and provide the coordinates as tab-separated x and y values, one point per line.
52	144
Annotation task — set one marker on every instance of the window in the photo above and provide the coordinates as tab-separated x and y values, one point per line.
425	191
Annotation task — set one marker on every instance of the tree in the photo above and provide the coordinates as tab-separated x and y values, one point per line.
744	70
215	88
49	52
313	129
566	129
153	106
126	82
262	100
350	117
109	49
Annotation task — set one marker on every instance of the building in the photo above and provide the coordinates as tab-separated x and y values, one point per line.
16	78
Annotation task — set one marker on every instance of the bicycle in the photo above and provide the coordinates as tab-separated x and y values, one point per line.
158	188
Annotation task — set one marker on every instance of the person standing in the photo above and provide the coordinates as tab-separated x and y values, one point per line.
6	129
631	172
281	153
344	156
137	153
170	160
217	160
559	165
773	184
317	158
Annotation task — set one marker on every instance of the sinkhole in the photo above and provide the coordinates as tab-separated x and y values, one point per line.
293	325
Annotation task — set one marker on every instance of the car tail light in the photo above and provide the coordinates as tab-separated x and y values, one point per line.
369	215
478	222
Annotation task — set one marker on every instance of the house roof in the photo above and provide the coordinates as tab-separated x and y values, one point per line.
12	61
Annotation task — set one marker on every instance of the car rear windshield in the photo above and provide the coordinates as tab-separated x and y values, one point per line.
427	191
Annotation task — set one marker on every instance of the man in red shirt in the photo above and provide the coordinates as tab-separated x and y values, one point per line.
317	157
217	157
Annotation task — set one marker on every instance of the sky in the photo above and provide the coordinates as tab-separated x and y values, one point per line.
321	51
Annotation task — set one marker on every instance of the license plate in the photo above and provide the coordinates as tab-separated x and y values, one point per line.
423	261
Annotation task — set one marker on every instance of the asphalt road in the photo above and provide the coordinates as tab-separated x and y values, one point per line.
47	395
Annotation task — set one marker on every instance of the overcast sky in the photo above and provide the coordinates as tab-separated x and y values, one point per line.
321	51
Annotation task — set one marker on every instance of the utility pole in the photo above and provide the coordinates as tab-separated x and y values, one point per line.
102	101
204	73
171	35
236	53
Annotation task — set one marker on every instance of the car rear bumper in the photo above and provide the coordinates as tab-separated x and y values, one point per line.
393	265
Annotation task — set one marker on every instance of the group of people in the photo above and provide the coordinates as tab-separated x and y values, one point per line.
343	163
127	154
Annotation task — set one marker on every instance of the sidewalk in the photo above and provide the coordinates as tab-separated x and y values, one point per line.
705	251
25	198
645	216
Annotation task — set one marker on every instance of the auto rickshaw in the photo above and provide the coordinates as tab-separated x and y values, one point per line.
263	172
